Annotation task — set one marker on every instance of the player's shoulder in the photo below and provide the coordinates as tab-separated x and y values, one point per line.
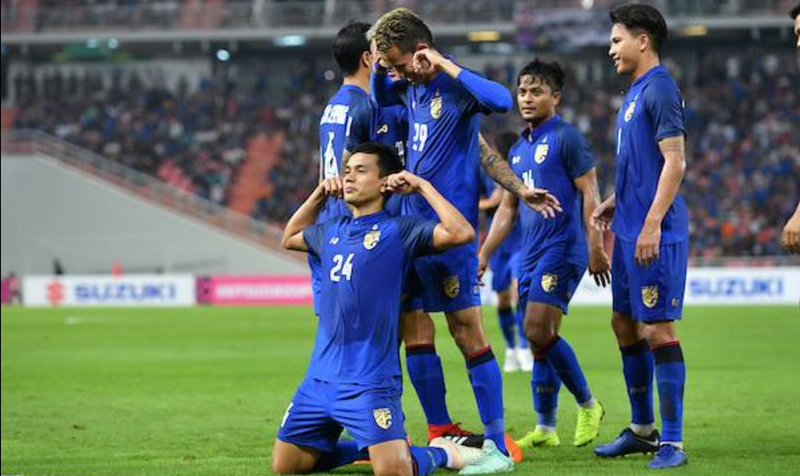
659	83
567	131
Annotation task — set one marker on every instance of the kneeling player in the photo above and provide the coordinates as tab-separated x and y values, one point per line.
354	380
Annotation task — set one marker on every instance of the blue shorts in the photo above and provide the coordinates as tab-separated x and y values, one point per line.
654	293
448	281
553	280
319	410
503	265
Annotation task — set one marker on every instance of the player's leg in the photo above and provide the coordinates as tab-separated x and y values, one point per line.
507	317
425	371
487	384
307	438
637	361
501	284
663	285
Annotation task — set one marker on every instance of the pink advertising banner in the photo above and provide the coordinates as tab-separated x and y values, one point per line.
254	290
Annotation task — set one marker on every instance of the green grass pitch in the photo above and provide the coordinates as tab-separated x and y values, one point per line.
102	392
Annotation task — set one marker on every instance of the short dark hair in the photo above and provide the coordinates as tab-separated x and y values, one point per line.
549	72
795	11
505	141
402	28
349	46
388	160
642	18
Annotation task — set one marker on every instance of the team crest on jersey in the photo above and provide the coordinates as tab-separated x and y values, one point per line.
631	108
436	106
451	285
549	282
541	153
383	417
371	239
649	296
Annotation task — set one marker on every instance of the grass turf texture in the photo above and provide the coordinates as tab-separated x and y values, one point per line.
101	392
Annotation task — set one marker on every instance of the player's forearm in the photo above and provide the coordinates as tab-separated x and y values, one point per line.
305	216
670	180
498	169
454	223
591	200
383	90
488	93
502	224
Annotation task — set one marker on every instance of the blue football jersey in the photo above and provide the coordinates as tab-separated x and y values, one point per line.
385	125
333	128
486	187
443	118
552	156
652	111
364	263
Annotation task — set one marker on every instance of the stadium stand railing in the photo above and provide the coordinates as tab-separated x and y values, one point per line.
27	141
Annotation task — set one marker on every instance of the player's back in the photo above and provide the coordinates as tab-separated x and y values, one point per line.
651	111
333	128
552	157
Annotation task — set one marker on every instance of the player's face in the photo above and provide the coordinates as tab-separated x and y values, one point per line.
535	99
797	30
625	49
401	63
362	180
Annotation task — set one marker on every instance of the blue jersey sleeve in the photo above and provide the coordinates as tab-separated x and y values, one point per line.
385	91
578	158
664	105
361	122
487	95
417	235
314	236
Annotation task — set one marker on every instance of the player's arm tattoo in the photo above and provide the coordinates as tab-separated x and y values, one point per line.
498	169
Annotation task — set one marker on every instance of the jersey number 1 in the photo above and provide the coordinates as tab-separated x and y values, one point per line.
342	267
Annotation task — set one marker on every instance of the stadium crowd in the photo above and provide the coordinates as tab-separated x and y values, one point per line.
743	158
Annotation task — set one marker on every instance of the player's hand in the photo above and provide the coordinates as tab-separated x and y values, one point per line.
333	187
600	266
541	201
403	182
483	263
791	234
647	245
426	61
603	215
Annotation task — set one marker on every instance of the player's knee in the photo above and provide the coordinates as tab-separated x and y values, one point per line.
504	300
539	334
282	465
625	329
400	466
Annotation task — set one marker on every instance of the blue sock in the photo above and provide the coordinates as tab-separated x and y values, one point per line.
487	383
545	385
520	318
346	452
637	365
426	459
563	359
507	325
425	372
670	378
